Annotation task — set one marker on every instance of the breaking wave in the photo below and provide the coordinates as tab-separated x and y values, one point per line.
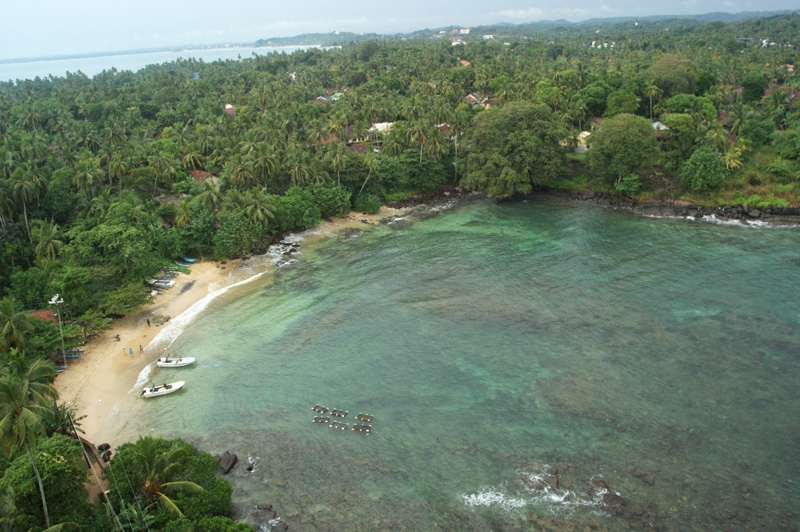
246	272
534	490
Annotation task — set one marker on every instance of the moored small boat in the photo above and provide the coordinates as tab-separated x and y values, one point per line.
166	362
161	283
163	389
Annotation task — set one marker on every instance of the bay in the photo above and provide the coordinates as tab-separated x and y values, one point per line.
90	66
652	362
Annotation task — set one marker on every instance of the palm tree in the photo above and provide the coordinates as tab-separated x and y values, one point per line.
372	164
25	400
157	469
337	155
239	172
740	113
184	214
733	159
265	162
652	91
419	134
48	239
13	324
117	167
87	172
24	191
210	198
260	208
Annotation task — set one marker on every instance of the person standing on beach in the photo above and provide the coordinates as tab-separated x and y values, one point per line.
131	351
148	322
141	350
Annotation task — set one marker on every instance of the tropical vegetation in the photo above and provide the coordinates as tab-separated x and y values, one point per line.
105	180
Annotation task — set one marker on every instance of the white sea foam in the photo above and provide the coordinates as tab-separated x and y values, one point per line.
734	222
142	379
247	271
536	492
492	497
175	327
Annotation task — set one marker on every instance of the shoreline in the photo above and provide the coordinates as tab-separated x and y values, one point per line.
97	383
744	214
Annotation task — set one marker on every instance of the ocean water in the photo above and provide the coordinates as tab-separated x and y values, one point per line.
90	66
652	363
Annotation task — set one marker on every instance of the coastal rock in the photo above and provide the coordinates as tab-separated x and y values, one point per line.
614	502
227	461
264	507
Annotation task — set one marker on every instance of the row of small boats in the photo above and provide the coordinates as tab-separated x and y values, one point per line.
167	388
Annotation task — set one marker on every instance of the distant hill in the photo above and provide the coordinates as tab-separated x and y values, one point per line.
534	29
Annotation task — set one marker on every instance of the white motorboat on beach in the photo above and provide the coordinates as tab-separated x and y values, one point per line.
161	283
163	389
166	362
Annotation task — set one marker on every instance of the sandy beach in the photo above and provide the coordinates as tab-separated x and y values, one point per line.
97	382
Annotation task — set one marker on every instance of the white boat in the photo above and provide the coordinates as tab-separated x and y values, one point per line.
163	389
161	283
166	362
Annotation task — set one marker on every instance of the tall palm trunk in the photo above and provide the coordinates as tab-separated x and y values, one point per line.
41	486
27	226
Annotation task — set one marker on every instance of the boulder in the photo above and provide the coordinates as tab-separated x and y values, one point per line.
227	461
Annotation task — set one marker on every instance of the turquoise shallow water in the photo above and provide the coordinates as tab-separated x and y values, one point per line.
492	341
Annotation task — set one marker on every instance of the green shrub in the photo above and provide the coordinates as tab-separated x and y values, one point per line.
629	185
332	200
780	169
703	171
297	209
369	203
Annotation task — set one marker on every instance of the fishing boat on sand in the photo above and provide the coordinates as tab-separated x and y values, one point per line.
166	362
163	389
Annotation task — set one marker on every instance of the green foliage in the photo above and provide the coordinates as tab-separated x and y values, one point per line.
692	105
369	203
753	86
703	171
594	95
297	209
758	131
236	236
89	154
673	74
781	169
513	148
31	286
156	464
681	134
59	460
208	524
624	145
629	186
332	200
621	101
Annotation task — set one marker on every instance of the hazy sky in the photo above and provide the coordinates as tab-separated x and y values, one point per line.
33	28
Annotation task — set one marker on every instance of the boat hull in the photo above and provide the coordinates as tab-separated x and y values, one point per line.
163	362
164	389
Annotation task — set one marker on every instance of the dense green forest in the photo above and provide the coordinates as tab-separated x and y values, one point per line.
104	180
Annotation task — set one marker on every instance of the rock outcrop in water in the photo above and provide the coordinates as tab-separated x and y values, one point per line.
227	461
